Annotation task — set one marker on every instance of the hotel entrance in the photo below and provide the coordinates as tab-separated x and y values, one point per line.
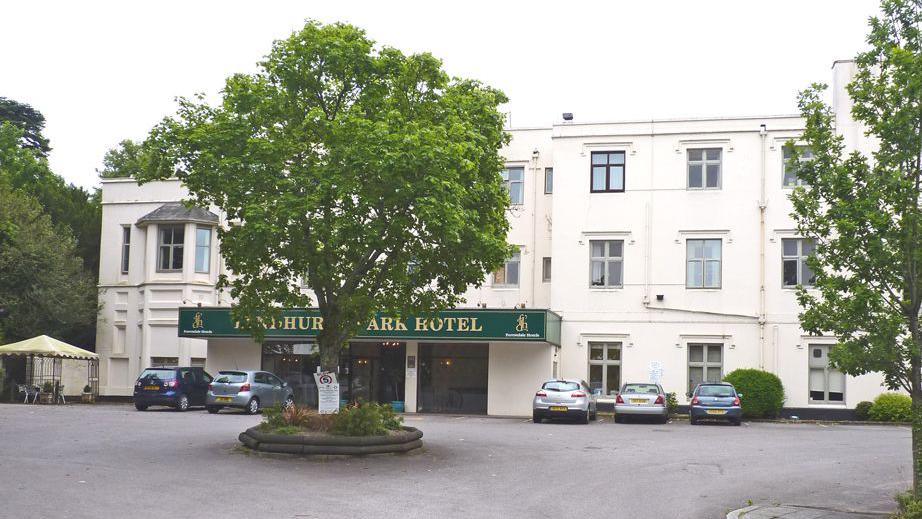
453	378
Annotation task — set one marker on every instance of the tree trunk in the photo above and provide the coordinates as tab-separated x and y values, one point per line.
917	443
330	349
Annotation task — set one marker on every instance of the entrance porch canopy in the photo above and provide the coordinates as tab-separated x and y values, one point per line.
513	325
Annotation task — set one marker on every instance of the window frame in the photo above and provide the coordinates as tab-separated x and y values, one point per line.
546	269
126	249
548	181
801	262
606	259
608	165
784	165
604	362
826	370
172	246
704	162
704	364
199	248
507	183
704	260
505	267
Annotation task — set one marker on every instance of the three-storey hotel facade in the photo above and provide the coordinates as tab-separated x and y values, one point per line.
656	250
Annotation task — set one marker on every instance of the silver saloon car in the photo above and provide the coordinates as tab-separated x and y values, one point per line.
564	398
641	400
247	390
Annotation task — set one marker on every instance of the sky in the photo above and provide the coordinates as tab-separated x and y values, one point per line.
101	72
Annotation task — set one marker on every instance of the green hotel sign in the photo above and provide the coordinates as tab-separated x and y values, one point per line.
487	325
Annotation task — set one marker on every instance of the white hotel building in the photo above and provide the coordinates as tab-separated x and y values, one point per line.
666	248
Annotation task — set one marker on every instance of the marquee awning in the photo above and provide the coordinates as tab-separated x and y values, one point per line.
44	346
519	325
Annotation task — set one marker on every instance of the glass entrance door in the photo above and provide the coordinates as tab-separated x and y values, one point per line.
453	378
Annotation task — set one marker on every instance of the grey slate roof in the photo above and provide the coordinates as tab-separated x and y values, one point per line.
176	212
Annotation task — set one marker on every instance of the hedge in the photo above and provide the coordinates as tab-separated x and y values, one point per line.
891	407
763	393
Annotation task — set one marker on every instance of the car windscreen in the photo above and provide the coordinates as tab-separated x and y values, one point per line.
157	374
560	386
718	391
650	389
231	377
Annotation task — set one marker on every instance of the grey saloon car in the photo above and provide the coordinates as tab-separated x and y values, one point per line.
641	400
715	402
247	390
564	398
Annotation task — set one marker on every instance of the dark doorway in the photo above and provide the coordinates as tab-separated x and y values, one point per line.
376	371
453	378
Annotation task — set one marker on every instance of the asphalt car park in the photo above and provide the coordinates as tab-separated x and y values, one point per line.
109	460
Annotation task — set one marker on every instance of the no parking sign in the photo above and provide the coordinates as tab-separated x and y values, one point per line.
327	392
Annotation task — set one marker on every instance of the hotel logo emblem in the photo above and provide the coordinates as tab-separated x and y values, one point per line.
521	323
198	322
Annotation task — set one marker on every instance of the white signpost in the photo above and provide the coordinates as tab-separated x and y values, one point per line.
656	372
327	392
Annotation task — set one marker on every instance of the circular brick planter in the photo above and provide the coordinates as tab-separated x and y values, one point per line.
321	443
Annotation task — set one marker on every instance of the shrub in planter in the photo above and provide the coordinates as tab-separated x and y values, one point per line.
891	407
672	403
763	394
910	508
365	419
862	410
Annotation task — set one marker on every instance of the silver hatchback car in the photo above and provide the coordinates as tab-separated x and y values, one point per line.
247	390
641	400
564	398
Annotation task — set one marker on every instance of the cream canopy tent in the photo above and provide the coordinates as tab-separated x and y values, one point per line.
44	360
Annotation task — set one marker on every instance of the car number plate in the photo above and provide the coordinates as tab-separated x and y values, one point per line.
638	400
152	388
223	399
559	408
717	411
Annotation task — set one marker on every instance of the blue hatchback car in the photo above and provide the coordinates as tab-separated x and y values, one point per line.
179	388
715	402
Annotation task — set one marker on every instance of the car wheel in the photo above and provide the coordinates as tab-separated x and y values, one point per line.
737	422
664	419
183	403
213	409
594	415
290	401
140	407
535	417
252	406
619	419
692	420
585	418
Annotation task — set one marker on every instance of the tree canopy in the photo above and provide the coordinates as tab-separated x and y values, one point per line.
866	215
30	121
369	172
125	160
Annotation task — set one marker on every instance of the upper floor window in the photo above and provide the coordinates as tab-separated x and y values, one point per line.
548	181
794	254
171	247
546	270
606	263
607	171
514	182
703	258
704	168
508	274
126	247
789	169
202	249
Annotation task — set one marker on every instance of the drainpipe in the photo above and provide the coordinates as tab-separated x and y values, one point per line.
763	133
534	228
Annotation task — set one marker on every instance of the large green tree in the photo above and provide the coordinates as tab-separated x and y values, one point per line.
125	160
30	121
371	172
866	214
43	284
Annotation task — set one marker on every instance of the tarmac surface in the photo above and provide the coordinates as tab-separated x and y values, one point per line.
109	460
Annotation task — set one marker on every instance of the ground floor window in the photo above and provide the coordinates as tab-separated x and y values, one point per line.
827	384
197	362
160	362
605	367
453	378
705	364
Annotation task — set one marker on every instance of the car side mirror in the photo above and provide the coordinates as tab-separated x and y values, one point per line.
284	384
740	395
688	395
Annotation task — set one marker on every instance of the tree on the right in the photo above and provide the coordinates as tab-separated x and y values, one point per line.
864	211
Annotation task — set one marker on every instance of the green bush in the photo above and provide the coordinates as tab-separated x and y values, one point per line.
891	407
763	394
863	410
910	507
369	419
672	403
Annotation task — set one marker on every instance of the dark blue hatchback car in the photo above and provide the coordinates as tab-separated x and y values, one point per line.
715	402
179	388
